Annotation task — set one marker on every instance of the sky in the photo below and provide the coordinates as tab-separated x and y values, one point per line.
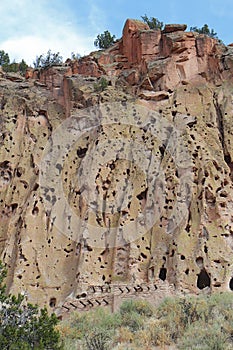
32	27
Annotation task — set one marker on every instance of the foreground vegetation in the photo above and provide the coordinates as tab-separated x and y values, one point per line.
24	326
192	323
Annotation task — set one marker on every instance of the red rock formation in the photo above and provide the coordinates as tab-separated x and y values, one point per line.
171	28
169	57
144	59
156	60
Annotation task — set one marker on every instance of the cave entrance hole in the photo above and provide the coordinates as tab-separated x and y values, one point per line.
52	302
203	280
163	273
231	284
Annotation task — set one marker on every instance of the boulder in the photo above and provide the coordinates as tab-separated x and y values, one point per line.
170	28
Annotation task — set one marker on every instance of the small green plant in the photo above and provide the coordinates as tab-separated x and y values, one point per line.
97	340
152	22
204	30
101	85
104	40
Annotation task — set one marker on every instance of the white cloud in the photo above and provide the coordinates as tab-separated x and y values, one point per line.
32	28
28	47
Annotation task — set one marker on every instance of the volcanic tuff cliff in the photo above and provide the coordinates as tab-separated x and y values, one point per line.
132	195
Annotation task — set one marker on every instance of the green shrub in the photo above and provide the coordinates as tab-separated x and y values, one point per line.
104	40
171	317
48	60
101	85
81	324
152	22
13	67
176	315
157	332
97	340
4	58
142	307
205	337
24	326
223	303
204	322
23	67
204	30
133	321
134	312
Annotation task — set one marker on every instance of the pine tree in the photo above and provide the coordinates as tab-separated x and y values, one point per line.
104	40
24	326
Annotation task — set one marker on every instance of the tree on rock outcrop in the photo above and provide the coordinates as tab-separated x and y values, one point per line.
204	30
22	325
152	22
12	67
23	67
4	58
104	40
48	60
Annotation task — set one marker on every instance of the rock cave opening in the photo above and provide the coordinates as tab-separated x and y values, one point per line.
52	302
163	273
203	280
231	284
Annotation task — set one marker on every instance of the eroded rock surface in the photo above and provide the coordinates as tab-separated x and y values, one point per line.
123	192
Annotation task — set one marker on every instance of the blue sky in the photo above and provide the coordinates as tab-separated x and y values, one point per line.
32	27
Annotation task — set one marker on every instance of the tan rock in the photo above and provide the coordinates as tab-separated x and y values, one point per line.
154	96
144	207
29	73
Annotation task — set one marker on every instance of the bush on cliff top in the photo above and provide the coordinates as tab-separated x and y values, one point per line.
204	30
152	22
48	60
14	67
104	40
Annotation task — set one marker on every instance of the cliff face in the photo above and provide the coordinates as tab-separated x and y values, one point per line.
125	190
